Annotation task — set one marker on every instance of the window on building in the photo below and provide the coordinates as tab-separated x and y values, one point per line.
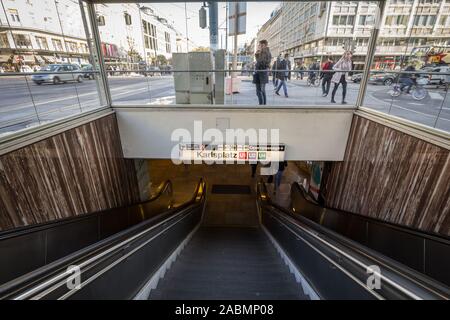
42	43
444	21
397	20
424	20
22	41
429	1
57	45
127	19
343	20
366	20
101	20
168	45
71	46
4	43
150	33
14	14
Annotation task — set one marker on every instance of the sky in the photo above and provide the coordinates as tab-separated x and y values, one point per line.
257	14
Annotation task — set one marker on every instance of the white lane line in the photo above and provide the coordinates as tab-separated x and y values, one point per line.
407	109
15	108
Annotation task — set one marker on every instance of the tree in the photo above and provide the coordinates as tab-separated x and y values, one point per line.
161	59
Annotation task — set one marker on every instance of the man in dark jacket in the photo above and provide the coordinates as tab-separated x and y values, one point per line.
274	73
407	79
283	74
261	76
326	76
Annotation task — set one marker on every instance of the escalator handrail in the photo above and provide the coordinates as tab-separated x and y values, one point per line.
296	187
351	248
165	186
97	250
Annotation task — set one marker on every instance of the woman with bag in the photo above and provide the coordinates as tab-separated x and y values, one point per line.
342	67
261	75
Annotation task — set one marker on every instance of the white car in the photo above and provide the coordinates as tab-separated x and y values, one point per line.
440	79
69	72
26	69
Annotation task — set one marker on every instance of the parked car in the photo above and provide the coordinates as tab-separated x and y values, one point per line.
383	78
26	69
156	71
88	68
74	73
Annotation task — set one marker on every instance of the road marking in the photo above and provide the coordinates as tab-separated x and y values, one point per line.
15	108
435	95
406	109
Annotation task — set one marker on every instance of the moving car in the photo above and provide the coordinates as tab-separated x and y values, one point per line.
437	78
69	72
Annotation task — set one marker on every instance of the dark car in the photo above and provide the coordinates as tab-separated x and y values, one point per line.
386	79
88	69
356	77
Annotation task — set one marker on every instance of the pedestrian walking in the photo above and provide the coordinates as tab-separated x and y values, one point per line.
326	76
279	175
341	67
302	70
274	71
407	79
254	168
261	74
283	75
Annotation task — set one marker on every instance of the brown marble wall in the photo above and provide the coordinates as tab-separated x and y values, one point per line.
79	171
390	175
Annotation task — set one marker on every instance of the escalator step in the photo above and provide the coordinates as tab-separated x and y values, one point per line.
228	263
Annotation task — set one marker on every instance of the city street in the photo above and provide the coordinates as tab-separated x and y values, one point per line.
18	109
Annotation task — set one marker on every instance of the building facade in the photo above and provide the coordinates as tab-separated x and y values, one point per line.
37	32
310	31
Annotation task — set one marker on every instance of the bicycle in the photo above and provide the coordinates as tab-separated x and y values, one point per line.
418	91
313	81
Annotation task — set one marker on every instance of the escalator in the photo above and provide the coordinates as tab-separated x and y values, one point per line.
25	249
229	263
175	253
424	252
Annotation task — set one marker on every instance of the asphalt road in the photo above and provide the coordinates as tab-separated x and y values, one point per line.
19	109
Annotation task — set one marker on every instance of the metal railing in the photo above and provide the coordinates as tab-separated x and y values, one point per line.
32	103
116	267
338	268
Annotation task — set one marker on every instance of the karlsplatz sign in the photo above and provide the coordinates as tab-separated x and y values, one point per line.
239	153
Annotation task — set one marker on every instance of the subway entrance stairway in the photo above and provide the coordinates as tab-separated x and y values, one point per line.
225	241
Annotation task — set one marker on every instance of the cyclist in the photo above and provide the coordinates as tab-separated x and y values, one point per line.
407	79
312	72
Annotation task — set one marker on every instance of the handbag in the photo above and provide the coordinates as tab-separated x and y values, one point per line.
255	77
